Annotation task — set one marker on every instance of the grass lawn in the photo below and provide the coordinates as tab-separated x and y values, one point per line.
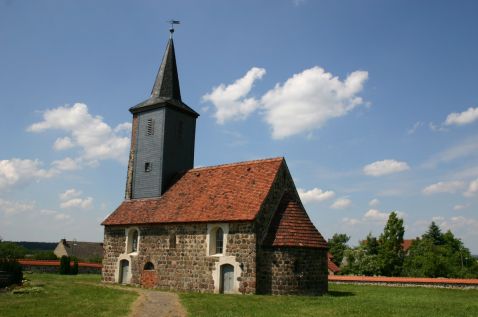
60	295
342	300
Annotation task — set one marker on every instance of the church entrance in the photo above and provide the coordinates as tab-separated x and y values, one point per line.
123	274
227	279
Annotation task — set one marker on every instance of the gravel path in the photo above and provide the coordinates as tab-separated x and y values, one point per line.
156	303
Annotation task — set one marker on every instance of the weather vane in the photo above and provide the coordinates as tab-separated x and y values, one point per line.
173	22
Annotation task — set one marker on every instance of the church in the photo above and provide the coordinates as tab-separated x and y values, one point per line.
232	228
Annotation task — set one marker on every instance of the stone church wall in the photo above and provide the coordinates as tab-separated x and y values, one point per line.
292	271
185	267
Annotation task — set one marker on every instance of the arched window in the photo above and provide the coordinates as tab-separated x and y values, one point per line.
148	266
134	241
219	240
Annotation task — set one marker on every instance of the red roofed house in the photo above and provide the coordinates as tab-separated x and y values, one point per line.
234	228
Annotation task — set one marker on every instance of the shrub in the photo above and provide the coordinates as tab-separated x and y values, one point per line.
13	267
65	265
74	269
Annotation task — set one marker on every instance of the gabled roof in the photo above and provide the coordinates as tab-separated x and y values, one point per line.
291	226
331	265
83	250
231	192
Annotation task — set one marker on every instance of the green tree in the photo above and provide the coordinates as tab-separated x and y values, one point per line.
439	255
65	265
390	252
11	250
74	269
337	247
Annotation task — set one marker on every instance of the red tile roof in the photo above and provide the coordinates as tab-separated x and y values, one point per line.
406	244
231	192
291	227
332	267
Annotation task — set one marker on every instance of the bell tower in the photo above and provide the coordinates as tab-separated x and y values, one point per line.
163	133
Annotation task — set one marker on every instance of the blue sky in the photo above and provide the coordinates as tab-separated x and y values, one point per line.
374	105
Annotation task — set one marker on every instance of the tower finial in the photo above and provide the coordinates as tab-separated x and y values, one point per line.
171	30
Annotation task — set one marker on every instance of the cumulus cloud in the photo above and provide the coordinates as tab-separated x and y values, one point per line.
303	103
341	203
472	188
63	144
12	207
18	171
314	195
374	202
71	199
97	139
385	167
230	101
462	118
309	99
376	215
443	187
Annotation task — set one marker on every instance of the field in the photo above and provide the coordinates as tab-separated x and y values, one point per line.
61	295
83	295
342	300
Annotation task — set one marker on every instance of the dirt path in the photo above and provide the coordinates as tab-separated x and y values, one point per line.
156	303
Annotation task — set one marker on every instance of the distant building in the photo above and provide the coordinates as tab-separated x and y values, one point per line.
85	251
233	228
332	267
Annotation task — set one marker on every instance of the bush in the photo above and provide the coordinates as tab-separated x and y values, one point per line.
74	269
13	267
65	265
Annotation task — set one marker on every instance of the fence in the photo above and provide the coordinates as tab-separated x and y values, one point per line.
53	266
405	281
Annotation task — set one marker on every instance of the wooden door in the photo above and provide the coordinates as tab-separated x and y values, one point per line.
227	279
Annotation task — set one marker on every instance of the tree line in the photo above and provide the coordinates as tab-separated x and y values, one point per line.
434	254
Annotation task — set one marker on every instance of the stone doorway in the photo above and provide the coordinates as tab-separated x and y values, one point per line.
227	279
123	273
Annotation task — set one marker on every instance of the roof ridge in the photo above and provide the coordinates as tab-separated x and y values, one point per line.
272	159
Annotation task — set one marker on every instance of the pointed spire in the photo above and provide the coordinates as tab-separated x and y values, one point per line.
167	81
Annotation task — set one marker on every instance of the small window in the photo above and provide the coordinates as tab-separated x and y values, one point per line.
149	266
172	241
150	127
134	241
148	167
219	240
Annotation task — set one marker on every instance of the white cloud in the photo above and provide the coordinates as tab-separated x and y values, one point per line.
414	128
341	203
13	207
123	127
97	139
374	202
66	164
462	118
457	223
83	203
443	187
472	188
18	171
71	199
314	195
460	207
385	167
230	101
350	221
70	193
63	144
375	215
61	216
306	101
